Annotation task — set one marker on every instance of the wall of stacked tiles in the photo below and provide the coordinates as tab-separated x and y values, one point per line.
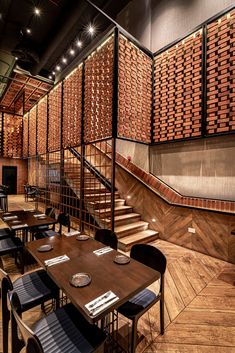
42	126
178	90
54	118
221	75
72	108
26	135
134	92
99	92
12	135
33	132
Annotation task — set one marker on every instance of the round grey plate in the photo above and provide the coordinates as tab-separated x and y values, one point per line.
121	259
46	247
16	222
80	279
82	237
42	217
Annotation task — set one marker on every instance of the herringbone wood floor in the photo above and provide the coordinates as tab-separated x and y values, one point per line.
199	302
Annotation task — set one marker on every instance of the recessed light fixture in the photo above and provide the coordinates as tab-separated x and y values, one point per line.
53	72
50	77
58	68
72	52
153	220
79	43
64	60
91	29
128	196
28	30
37	11
16	58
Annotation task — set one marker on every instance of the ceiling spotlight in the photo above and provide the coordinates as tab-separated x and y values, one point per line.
37	11
72	52
28	30
64	60
58	68
16	58
79	43
91	29
50	77
53	72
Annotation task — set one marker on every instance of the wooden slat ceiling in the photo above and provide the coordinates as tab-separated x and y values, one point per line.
32	89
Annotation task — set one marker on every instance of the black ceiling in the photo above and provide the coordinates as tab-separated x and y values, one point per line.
60	23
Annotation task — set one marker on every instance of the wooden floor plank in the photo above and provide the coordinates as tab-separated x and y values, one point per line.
206	317
160	347
215	303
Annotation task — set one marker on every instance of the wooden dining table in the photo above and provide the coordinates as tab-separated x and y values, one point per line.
123	280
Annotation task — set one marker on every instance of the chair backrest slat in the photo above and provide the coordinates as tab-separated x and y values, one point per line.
107	237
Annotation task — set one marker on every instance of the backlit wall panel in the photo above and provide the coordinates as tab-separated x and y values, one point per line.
32	131
54	125
221	75
99	93
26	135
178	90
134	92
12	134
72	108
42	126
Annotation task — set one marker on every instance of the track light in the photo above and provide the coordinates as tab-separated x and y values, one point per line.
64	60
28	30
58	68
37	11
91	29
79	43
72	52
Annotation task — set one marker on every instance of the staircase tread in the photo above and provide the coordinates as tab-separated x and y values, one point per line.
130	226
122	217
105	201
138	236
116	208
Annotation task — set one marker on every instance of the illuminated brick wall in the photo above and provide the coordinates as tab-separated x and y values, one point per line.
72	108
134	92
42	126
26	135
32	131
178	90
12	136
99	93
54	128
221	75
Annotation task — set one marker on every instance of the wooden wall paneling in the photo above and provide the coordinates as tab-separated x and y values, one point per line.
221	75
98	103
134	92
32	131
231	242
72	108
26	135
13	133
54	125
42	126
178	90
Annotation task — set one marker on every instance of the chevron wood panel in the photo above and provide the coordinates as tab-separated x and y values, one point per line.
32	131
26	135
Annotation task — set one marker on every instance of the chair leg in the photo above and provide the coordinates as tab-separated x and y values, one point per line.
5	323
15	341
134	335
162	316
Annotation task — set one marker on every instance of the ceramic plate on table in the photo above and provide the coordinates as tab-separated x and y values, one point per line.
82	237
80	279
46	247
16	222
122	259
42	217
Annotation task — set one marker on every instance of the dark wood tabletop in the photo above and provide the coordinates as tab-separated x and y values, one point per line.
26	217
124	280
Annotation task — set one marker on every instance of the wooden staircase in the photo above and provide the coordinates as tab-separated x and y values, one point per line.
129	227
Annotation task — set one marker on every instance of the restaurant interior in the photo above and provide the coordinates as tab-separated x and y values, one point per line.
117	176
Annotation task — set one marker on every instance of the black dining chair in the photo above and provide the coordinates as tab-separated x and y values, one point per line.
63	220
6	233
50	212
32	289
107	237
15	246
135	307
63	331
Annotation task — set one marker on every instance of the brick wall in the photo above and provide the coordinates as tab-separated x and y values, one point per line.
12	135
22	171
54	117
42	126
32	131
178	90
134	92
221	75
26	135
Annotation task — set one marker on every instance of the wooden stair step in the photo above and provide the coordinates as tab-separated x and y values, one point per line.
129	229
100	197
123	219
118	210
94	190
145	236
107	203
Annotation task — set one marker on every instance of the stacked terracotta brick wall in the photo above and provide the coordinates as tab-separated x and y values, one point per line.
99	93
221	75
1	134
134	92
26	135
33	132
42	126
178	90
54	132
12	136
72	108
